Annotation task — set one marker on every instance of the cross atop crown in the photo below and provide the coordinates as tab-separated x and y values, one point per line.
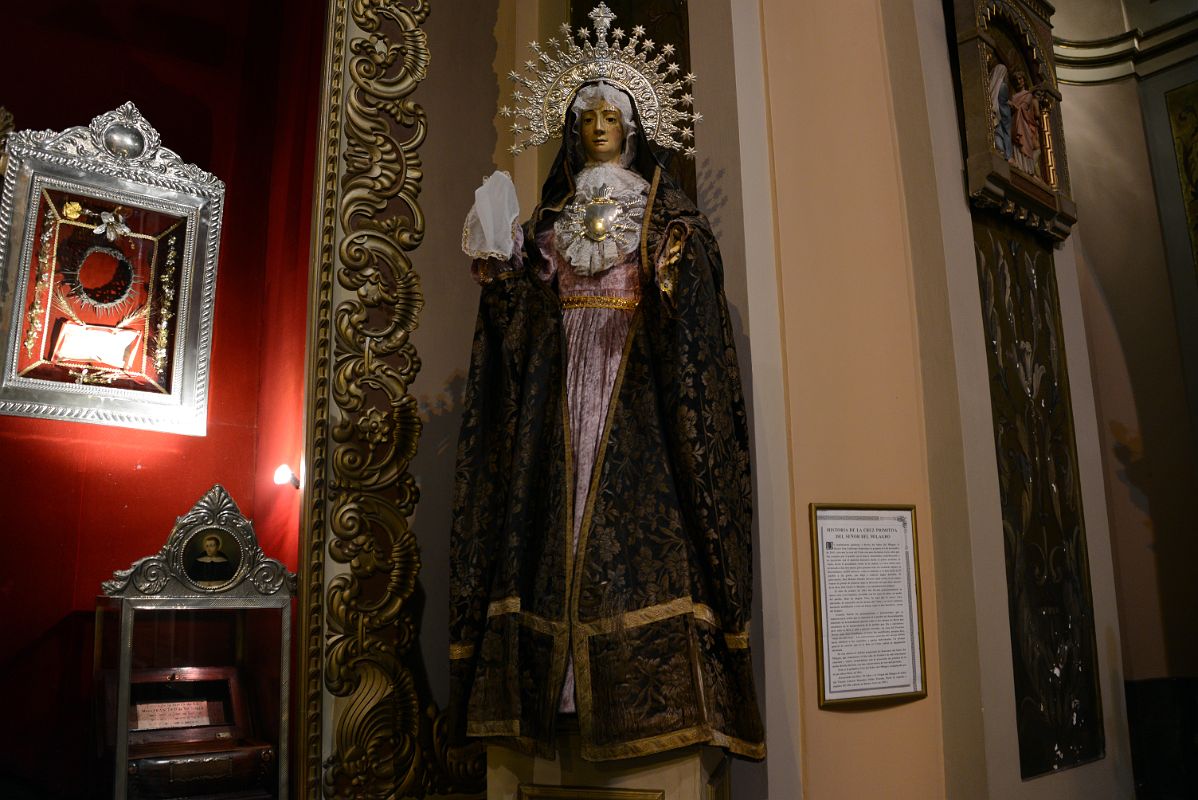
602	16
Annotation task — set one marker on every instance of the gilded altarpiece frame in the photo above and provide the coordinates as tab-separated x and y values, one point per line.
1182	106
1018	185
359	678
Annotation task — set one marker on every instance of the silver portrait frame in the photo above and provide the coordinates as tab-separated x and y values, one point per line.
117	159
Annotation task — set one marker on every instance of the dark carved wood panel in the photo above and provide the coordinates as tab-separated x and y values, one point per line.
1017	180
1058	704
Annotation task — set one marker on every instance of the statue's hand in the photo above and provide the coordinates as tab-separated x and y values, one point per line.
667	261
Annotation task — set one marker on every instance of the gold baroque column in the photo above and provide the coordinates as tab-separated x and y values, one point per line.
359	557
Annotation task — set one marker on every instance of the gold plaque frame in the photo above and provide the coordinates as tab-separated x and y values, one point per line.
358	675
919	661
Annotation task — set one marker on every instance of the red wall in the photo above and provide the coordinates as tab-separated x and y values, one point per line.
232	86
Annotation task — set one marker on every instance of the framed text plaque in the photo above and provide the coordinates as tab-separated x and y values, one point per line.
867	604
108	251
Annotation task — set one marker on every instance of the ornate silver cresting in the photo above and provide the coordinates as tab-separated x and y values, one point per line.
122	144
6	127
171	573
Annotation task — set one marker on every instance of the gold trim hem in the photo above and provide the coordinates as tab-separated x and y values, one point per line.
737	641
508	605
651	745
673	740
495	727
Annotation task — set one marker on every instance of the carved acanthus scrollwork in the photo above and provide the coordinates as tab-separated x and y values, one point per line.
360	633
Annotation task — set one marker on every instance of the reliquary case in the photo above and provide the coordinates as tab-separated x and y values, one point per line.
108	251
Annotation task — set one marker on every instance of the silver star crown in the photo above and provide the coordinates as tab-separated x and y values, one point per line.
551	79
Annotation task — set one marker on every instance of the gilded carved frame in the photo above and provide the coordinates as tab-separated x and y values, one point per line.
358	676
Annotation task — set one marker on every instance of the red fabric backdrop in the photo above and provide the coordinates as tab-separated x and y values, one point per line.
234	87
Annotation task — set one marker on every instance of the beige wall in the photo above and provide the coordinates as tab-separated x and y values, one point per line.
1089	19
887	396
851	357
775	515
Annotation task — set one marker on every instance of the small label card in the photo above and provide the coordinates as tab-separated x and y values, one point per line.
184	714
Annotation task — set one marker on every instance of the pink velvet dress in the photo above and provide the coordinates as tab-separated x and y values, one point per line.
595	339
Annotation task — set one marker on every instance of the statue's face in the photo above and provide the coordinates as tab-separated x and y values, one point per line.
602	133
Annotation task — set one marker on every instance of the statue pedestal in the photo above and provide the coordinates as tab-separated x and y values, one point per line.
693	773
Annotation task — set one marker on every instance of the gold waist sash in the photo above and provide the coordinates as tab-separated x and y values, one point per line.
599	301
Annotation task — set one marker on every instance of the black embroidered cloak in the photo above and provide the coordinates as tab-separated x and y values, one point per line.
654	605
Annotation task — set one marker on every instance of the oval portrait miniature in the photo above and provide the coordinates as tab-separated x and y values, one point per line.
211	558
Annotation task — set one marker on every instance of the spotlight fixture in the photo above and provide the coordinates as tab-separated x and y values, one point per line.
284	475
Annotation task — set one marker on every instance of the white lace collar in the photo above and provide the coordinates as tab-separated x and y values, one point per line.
602	223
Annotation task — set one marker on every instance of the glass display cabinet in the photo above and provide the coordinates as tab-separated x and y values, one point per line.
192	665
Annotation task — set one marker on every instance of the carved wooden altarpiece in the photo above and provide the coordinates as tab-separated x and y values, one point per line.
1018	185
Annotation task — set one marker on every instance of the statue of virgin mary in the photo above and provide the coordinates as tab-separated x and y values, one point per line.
600	550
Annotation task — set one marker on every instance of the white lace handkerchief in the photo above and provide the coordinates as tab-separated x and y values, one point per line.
489	231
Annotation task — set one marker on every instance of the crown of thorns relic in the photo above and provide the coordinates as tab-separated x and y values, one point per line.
552	78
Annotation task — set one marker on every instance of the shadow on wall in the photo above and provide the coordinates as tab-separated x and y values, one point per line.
436	456
712	196
1133	471
51	679
1162	717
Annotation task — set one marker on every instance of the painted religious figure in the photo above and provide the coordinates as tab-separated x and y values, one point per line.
600	553
1025	126
1000	96
1015	111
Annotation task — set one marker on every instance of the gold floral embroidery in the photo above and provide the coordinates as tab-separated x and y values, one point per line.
595	301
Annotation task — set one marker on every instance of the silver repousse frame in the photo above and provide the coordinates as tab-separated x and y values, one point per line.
118	158
165	574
